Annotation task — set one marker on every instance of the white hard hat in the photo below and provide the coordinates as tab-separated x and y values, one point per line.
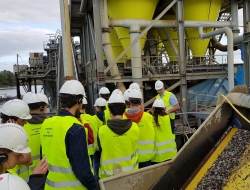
135	93
117	91
84	101
159	85
17	108
126	94
73	87
159	103
12	182
104	90
116	98
14	137
100	102
31	98
43	98
134	86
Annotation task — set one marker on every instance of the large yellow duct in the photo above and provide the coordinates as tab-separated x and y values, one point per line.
116	45
122	9
173	36
206	10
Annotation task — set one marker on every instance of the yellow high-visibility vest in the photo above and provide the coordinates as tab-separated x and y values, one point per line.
165	146
146	139
166	99
118	149
52	137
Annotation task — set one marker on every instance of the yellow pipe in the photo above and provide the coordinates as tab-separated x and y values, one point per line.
195	181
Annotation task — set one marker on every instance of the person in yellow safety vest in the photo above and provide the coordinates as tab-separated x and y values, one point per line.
165	146
118	141
170	101
32	127
13	144
87	121
64	143
17	111
145	123
98	121
10	182
105	93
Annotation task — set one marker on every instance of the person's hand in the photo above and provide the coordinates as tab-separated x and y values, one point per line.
42	167
150	110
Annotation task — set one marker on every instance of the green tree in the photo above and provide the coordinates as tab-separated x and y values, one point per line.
7	78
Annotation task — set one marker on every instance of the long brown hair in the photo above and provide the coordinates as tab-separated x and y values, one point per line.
3	151
158	111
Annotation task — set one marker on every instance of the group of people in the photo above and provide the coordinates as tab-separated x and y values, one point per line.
73	150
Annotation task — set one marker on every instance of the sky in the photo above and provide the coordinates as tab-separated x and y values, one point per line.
24	25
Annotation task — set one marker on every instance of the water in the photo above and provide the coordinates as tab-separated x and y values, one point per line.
11	91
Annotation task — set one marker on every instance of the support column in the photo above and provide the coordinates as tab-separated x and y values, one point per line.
235	18
182	58
246	16
136	61
66	38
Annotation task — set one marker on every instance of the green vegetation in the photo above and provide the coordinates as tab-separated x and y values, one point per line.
7	78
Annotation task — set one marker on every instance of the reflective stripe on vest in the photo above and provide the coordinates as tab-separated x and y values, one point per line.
164	142
165	150
124	169
62	184
113	161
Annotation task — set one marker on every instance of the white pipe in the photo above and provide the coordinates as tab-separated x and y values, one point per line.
106	40
127	23
136	52
136	61
230	50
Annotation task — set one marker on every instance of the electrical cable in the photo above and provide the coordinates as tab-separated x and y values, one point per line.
22	60
230	103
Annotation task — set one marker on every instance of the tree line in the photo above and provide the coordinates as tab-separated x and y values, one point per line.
7	78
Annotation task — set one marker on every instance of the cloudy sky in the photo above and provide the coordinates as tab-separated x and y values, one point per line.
24	25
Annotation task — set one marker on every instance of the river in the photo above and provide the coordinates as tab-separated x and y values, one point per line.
11	91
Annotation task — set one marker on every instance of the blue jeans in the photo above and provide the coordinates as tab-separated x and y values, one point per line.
96	164
144	164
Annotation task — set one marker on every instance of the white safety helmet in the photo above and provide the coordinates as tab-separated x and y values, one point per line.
17	108
73	87
159	85
100	102
135	93
104	90
126	94
116	98
159	103
43	98
134	86
117	91
12	182
31	98
14	137
84	101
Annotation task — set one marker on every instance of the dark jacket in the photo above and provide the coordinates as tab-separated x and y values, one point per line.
37	182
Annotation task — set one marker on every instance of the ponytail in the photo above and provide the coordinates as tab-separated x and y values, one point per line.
158	111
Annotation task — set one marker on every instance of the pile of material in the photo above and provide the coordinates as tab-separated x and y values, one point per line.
228	165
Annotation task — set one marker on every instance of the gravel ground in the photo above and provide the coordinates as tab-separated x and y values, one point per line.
218	175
